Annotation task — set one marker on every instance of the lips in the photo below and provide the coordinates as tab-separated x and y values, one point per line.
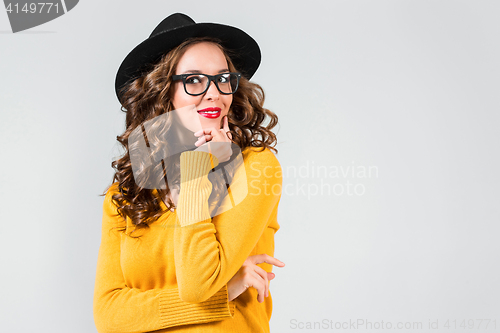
210	112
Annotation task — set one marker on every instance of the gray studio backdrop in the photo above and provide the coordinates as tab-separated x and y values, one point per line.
388	139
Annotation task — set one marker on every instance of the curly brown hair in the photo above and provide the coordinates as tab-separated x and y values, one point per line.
149	96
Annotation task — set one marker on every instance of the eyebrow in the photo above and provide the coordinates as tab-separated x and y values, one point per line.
195	71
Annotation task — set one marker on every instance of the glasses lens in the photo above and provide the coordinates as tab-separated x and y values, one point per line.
228	83
196	84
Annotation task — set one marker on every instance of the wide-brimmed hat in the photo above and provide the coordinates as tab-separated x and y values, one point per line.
176	28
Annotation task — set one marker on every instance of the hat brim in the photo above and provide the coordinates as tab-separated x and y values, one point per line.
245	51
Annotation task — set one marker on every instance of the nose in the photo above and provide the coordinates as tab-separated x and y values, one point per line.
212	92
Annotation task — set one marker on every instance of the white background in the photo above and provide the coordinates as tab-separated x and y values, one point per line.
408	88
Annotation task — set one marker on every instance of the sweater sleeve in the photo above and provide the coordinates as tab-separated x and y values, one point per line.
209	251
120	308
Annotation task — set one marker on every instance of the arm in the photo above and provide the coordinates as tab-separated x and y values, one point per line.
119	308
208	252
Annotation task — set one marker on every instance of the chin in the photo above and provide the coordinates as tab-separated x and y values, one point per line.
207	122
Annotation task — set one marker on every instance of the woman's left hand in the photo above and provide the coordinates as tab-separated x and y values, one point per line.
206	136
251	275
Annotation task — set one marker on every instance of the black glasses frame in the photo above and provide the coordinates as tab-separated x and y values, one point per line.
210	79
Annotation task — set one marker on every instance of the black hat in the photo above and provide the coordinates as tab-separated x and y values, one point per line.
176	28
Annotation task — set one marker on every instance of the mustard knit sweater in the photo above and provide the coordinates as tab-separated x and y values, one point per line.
173	278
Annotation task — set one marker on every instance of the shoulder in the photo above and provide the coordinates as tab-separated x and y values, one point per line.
112	190
111	219
262	163
109	204
259	154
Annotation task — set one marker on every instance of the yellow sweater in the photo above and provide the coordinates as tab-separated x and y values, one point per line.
174	277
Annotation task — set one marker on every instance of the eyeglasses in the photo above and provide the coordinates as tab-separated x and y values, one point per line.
197	84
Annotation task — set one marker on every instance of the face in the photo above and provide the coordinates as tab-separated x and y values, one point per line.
205	58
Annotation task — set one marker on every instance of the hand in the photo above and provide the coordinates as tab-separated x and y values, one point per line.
251	275
207	136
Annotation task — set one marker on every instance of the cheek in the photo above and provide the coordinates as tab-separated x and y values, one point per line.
178	99
181	99
228	100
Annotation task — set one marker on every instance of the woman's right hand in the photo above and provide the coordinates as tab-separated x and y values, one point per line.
251	275
215	142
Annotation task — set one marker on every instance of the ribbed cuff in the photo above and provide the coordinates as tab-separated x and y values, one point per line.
174	311
195	189
196	164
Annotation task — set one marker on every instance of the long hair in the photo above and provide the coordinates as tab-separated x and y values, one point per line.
149	97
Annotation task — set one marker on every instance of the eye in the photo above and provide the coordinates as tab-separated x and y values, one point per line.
194	79
224	78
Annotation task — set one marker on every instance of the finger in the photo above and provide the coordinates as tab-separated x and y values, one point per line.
208	136
225	135
227	129
201	140
263	275
222	136
219	135
265	258
212	134
260	285
205	138
270	276
223	122
208	130
226	125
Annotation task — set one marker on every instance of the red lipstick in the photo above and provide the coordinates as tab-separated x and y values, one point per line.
210	112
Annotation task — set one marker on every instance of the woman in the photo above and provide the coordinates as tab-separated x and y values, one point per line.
188	224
